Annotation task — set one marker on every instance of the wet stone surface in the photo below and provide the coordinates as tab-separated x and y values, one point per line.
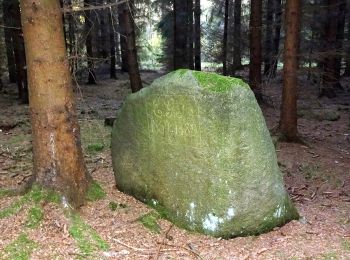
195	146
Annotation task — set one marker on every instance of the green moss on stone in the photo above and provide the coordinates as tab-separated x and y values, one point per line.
87	238
149	221
19	249
35	215
217	83
95	192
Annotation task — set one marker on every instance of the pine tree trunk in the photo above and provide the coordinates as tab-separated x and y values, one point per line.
237	54
224	48
340	36
276	34
90	23
111	24
347	54
104	39
255	48
58	158
288	120
268	38
329	77
11	66
190	34
20	56
197	33
127	23
123	45
180	34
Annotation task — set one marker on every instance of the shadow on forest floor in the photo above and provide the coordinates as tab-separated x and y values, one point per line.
117	226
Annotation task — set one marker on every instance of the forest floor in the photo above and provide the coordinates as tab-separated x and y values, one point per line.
317	177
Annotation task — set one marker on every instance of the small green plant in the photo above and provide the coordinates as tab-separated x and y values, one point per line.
114	206
346	244
97	147
19	249
34	217
87	238
310	171
95	192
149	221
330	256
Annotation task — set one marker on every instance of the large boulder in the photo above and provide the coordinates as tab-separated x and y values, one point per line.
196	146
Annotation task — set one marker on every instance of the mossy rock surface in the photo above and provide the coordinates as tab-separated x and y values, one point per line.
196	145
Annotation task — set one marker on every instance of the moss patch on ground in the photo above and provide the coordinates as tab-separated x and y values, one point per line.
35	215
20	249
87	238
150	221
95	192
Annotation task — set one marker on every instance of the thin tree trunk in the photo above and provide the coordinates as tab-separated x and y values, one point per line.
190	34
347	54
180	34
330	80
20	56
340	37
128	24
277	34
268	38
113	72
197	33
255	48
104	39
288	121
122	38
11	66
224	48
90	23
58	158
237	54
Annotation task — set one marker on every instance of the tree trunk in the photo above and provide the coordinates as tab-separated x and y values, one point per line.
190	34
104	39
288	120
58	158
329	77
20	55
276	34
224	48
113	72
123	45
340	37
255	48
347	54
90	23
127	23
6	6
268	38
197	33
180	34
237	54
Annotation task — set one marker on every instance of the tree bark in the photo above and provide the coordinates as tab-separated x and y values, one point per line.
288	120
127	22
197	33
123	45
237	54
19	52
113	72
268	38
340	36
347	54
90	23
329	78
255	48
58	158
190	34
224	48
180	34
11	66
276	34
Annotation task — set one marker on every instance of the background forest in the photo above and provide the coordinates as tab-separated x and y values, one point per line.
294	54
